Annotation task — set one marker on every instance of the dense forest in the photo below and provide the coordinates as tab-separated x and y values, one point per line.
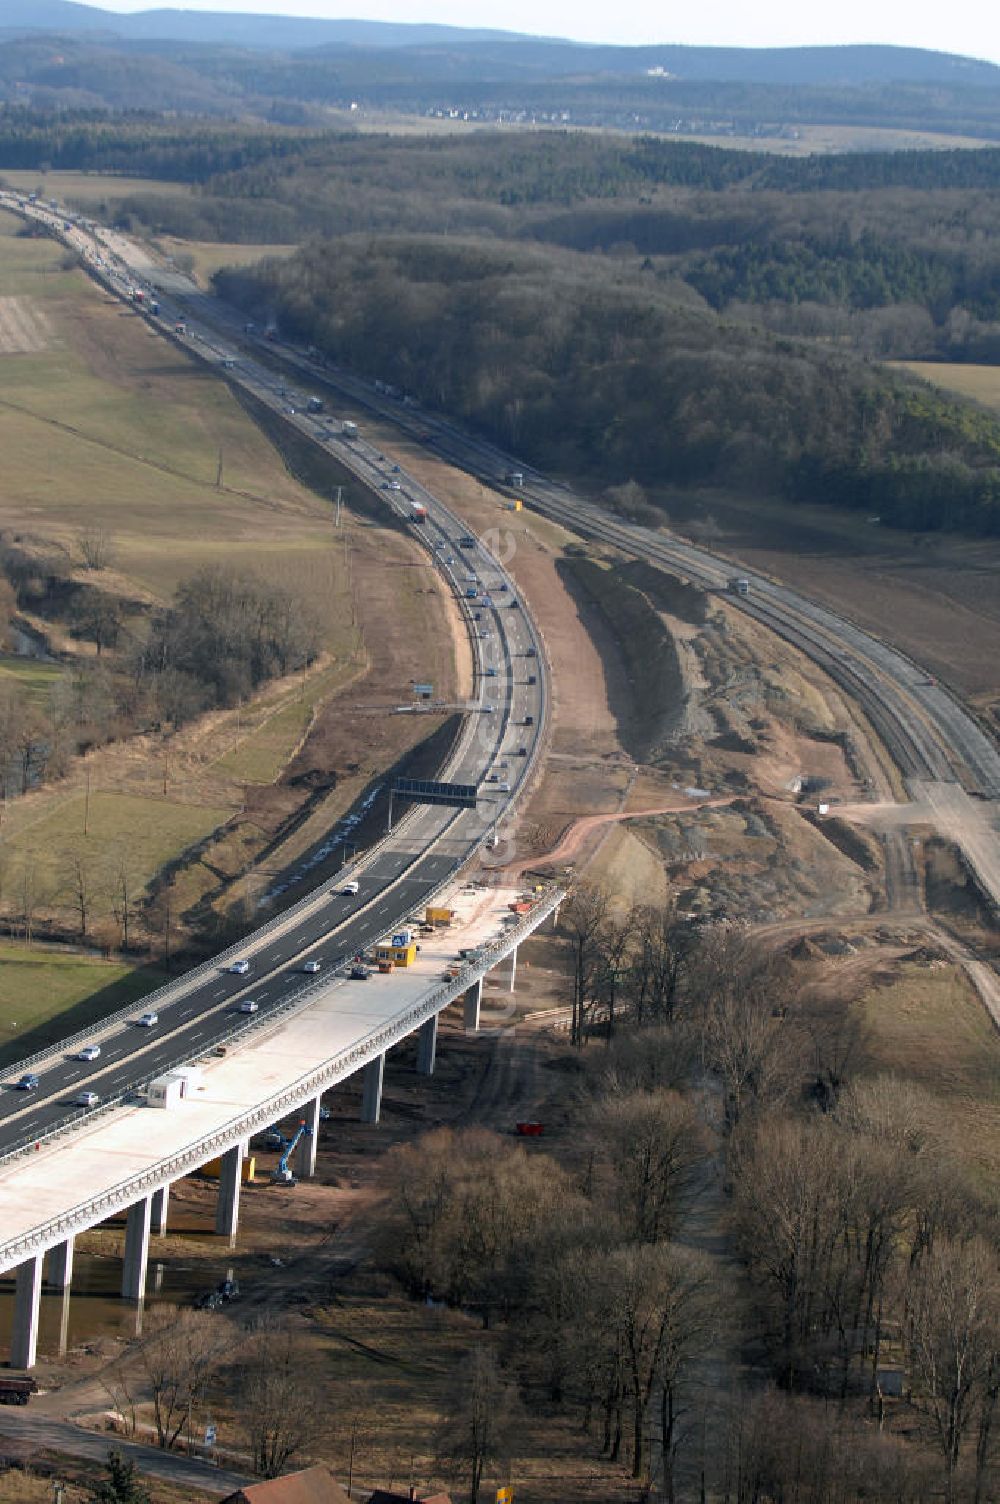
632	307
589	366
891	253
512	168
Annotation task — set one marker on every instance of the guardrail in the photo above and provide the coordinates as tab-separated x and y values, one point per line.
172	990
243	1125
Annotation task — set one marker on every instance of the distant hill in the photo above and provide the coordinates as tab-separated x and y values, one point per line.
518	56
60	56
280	33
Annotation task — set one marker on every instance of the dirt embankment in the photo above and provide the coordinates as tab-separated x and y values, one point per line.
649	708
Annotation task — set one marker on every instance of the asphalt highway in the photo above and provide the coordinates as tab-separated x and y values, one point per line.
495	751
929	733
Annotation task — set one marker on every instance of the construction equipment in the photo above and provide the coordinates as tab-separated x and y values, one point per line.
281	1174
17	1391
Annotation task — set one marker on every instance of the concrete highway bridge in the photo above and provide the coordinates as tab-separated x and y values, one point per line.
65	1168
126	1159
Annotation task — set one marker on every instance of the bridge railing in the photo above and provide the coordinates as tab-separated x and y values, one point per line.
89	1212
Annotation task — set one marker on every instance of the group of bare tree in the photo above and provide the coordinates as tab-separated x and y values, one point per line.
225	634
189	1366
577	1266
101	889
727	1000
864	1245
855	1249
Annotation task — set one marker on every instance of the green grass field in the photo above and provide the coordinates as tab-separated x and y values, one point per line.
981	383
45	994
931	1028
208	255
30	675
48	835
86	190
107	423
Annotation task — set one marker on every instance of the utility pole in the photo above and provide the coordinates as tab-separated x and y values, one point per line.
339	499
218	474
86	807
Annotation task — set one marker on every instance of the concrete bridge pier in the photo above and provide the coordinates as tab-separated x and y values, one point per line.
472	1005
158	1215
227	1210
427	1038
305	1150
64	1323
27	1300
61	1264
371	1095
136	1250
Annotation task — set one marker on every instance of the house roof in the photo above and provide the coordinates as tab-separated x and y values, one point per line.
314	1485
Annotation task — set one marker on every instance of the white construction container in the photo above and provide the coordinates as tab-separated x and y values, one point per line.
190	1077
165	1091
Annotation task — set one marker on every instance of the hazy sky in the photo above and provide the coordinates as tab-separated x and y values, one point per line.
967	26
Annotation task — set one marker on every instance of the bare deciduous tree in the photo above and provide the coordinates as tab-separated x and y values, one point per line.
280	1408
740	994
584	917
655	1307
177	1358
649	1144
480	1428
952	1337
98	547
462	1206
124	898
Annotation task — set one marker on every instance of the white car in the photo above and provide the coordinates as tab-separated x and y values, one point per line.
86	1099
311	968
349	889
238	968
149	1020
89	1052
249	1005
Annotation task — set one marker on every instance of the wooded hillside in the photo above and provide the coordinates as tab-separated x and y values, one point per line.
586	366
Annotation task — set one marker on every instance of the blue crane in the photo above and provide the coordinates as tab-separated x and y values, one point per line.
281	1172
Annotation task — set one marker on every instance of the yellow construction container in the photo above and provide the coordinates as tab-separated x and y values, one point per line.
399	955
439	916
214	1169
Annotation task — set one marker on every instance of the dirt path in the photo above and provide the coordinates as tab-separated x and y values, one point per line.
575	835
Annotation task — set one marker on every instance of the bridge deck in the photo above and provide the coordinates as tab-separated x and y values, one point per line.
107	1163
